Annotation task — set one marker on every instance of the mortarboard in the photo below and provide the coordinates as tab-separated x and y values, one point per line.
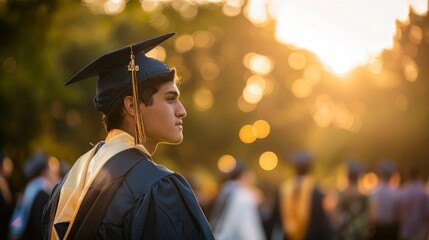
301	158
239	168
385	168
121	70
354	168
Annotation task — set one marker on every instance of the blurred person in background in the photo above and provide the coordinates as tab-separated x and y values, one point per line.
352	212
298	212
7	200
414	207
235	214
384	205
42	173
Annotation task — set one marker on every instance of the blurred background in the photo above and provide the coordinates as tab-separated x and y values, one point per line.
259	79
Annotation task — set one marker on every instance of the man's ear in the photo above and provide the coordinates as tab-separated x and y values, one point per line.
128	105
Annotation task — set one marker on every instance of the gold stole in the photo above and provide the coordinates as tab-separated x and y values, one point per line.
295	207
83	174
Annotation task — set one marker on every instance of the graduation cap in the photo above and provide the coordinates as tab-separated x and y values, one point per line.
354	168
301	158
121	70
238	170
385	168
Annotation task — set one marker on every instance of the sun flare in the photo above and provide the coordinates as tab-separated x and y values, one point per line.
342	34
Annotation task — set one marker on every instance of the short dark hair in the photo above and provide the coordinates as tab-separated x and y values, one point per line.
113	119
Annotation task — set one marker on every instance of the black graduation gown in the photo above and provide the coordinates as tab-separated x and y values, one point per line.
34	225
319	227
151	202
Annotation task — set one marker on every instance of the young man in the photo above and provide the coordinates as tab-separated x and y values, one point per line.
116	191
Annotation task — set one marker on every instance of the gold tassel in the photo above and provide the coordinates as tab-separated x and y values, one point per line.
139	128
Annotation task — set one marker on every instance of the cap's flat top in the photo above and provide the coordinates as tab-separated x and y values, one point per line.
116	58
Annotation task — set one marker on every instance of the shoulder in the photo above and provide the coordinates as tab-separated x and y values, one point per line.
146	175
150	177
142	167
139	183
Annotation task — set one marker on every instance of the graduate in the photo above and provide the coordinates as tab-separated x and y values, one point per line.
298	212
352	213
384	204
116	190
235	214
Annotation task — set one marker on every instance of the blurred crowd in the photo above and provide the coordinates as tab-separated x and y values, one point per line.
298	210
21	209
302	210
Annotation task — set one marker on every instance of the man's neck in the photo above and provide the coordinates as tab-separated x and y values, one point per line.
148	145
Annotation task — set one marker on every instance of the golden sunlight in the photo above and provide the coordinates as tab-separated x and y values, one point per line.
258	64
268	161
248	133
262	128
226	163
203	99
245	106
326	111
184	43
253	93
350	34
158	53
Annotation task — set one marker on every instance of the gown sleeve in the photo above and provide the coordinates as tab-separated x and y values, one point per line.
170	210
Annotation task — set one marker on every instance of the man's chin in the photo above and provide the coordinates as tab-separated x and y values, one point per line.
173	141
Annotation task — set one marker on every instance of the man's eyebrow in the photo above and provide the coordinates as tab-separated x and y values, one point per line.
175	93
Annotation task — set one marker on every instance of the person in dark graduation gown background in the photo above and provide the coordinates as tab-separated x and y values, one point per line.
139	101
298	212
